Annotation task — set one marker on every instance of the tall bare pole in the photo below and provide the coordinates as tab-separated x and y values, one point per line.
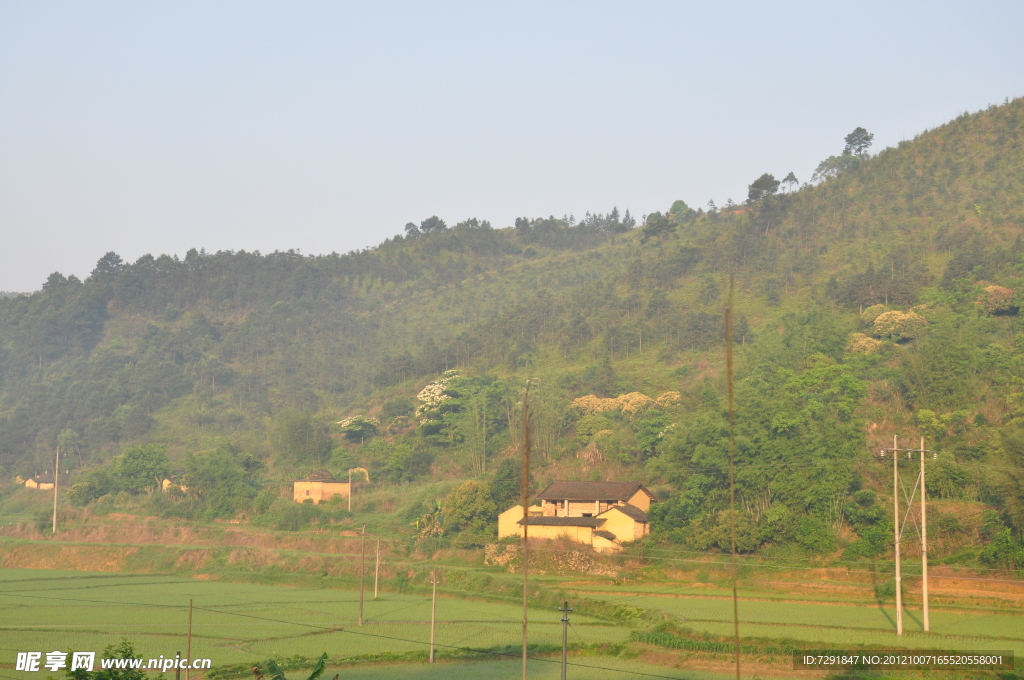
896	532
565	636
732	474
188	641
376	571
362	572
924	544
433	612
350	491
56	479
525	497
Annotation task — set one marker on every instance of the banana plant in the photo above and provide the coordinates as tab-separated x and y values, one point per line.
277	674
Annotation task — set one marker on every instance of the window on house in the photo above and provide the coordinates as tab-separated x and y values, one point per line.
588	514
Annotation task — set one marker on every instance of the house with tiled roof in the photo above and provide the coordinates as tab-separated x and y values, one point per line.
602	515
41	482
319	487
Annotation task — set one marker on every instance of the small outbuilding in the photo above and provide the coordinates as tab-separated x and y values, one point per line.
319	487
41	482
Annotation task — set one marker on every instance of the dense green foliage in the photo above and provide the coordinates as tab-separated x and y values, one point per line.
882	300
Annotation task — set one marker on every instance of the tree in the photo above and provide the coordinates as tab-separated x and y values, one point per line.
679	211
469	507
433	224
790	181
358	428
656	226
108	266
858	142
506	483
764	186
298	437
833	166
1009	477
122	650
221	480
411	230
141	467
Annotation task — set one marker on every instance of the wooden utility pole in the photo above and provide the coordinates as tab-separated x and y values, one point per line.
376	570
565	636
188	641
896	532
362	572
56	478
924	544
350	491
433	612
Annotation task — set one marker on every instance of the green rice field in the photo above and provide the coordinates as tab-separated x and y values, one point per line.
237	623
42	610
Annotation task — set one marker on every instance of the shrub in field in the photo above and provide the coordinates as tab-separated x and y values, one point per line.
277	674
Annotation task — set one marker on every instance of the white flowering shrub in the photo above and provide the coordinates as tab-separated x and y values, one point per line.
431	396
358	428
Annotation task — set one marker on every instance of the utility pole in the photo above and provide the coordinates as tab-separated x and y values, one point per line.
433	612
56	478
898	528
188	642
362	572
177	666
525	499
896	534
565	636
376	570
350	491
924	545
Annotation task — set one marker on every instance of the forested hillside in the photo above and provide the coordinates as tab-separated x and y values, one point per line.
882	299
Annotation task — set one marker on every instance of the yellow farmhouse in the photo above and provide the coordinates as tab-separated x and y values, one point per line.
319	487
599	514
41	482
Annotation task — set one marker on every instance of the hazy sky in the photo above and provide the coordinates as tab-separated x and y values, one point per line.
158	127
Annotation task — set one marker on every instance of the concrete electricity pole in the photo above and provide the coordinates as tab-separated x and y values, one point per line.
56	477
376	570
924	545
898	528
362	572
433	612
188	642
896	534
565	636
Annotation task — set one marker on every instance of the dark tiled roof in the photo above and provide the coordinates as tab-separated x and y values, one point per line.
320	476
564	521
629	511
43	479
591	491
605	534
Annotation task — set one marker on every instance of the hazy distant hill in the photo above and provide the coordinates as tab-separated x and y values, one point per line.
227	347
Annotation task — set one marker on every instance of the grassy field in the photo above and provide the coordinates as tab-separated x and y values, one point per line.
233	623
236	623
549	669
